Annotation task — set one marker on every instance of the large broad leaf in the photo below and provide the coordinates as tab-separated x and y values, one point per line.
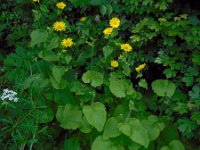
58	72
95	115
100	144
85	126
69	117
174	145
93	77
153	127
135	131
49	55
163	87
63	83
38	36
111	128
120	88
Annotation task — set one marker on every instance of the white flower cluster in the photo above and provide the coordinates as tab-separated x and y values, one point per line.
9	95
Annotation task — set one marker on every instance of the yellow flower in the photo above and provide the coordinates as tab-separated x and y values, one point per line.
126	47
140	67
83	19
67	42
36	1
114	22
114	63
108	31
59	26
60	5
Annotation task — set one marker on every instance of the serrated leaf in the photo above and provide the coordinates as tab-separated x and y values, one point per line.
163	87
111	128
120	87
38	36
93	77
95	115
196	117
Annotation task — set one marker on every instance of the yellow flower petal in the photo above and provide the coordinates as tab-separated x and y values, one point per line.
126	47
67	43
60	5
59	26
114	22
108	31
114	63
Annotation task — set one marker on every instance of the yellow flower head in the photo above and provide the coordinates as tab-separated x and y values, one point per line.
126	47
60	5
108	31
67	42
36	1
114	63
59	26
140	67
83	19
114	22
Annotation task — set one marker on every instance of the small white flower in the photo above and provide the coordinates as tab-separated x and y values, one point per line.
9	95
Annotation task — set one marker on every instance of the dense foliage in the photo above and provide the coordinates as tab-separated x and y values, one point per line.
100	75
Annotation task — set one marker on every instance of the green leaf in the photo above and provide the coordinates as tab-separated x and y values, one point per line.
44	115
58	72
196	117
107	50
69	117
63	83
68	58
38	36
134	129
187	127
100	144
143	83
103	10
49	55
163	87
153	127
54	43
71	144
120	88
95	115
96	2
109	9
85	126
174	145
111	128
195	92
93	77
